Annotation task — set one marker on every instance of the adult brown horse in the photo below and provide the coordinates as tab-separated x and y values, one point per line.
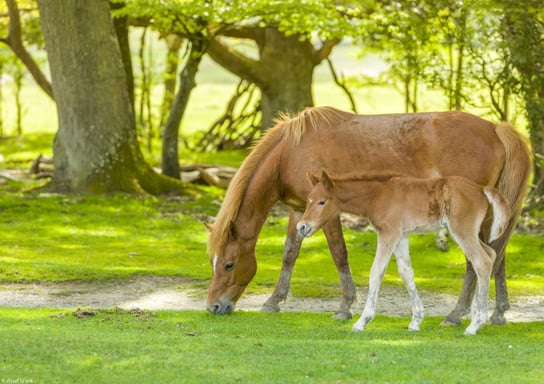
416	144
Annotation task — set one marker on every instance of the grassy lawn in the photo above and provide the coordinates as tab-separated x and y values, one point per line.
194	347
58	238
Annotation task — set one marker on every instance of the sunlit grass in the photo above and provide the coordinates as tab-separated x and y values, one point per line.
195	347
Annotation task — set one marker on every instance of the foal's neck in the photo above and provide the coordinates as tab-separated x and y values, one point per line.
358	195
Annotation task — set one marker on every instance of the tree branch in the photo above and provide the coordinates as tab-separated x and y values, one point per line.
233	61
15	42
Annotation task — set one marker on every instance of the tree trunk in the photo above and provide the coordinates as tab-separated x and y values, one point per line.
170	157
283	72
95	149
173	45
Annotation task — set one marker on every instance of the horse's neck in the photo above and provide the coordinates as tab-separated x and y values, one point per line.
259	198
357	196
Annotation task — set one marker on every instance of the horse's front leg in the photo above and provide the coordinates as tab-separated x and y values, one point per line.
337	245
377	271
290	253
404	266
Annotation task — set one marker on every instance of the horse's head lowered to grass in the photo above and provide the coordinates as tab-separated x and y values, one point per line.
233	267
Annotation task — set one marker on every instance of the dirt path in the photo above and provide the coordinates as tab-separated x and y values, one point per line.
167	293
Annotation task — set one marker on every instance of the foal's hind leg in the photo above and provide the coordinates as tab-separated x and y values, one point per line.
290	253
482	261
404	265
377	271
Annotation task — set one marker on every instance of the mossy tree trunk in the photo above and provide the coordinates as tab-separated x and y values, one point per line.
95	149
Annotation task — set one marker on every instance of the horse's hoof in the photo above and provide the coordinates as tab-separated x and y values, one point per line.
447	322
497	319
341	315
270	308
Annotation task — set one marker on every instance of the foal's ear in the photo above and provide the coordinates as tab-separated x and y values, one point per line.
313	178
327	182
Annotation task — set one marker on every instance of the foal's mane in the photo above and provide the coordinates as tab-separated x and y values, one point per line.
288	129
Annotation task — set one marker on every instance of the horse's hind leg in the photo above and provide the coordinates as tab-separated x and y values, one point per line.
337	246
465	298
501	293
290	253
404	265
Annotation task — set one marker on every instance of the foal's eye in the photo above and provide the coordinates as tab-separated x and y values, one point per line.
321	202
229	267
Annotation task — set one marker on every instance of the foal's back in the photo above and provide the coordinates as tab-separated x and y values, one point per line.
422	205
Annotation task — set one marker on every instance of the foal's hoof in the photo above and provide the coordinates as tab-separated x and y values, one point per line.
342	315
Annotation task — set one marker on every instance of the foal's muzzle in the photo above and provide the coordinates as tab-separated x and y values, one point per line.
304	229
219	308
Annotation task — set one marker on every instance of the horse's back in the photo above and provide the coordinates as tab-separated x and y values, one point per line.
413	144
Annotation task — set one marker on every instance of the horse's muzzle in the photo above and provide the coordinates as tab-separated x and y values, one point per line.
219	308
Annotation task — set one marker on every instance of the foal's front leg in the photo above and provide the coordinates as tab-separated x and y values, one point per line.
404	266
377	271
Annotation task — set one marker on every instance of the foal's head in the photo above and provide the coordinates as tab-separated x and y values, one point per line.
321	205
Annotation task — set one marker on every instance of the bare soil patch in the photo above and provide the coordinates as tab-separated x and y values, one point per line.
170	293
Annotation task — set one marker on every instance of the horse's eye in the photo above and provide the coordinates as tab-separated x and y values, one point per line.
321	202
229	267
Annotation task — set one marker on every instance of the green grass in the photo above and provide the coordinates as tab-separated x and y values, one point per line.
60	238
194	347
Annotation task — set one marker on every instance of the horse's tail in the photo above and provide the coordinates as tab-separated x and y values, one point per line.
501	212
513	181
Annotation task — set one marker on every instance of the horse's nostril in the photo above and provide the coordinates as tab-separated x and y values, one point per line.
215	308
229	308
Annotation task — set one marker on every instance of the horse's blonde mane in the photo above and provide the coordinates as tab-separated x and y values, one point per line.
289	129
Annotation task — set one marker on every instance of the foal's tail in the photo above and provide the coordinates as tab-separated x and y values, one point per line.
501	212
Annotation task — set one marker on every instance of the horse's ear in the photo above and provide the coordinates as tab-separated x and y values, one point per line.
233	233
208	226
313	178
326	180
